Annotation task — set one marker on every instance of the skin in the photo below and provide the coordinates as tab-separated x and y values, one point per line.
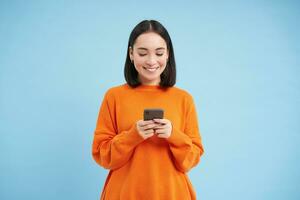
150	55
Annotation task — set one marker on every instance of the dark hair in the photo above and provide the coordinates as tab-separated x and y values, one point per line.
168	76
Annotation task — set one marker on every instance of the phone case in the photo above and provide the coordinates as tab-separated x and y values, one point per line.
156	113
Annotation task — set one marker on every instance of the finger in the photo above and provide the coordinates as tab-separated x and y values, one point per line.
160	131
148	135
165	126
142	123
162	135
161	121
145	123
147	132
139	122
149	126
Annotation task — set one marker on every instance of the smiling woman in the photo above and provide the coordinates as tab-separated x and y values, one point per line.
150	49
148	159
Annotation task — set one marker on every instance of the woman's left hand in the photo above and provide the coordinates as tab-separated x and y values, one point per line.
163	128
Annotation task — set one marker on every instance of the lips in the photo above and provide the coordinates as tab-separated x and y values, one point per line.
151	69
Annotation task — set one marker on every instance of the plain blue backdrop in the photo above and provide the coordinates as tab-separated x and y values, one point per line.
239	59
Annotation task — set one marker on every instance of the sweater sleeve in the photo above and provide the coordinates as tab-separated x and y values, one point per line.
110	149
186	146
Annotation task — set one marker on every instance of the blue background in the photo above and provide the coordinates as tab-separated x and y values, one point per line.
239	59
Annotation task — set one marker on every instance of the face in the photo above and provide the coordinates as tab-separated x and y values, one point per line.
149	55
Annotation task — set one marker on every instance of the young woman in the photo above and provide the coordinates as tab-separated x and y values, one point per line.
148	159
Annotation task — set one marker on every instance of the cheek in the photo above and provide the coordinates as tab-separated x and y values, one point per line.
162	61
139	63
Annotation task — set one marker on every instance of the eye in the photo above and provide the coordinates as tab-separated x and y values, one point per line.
142	55
159	54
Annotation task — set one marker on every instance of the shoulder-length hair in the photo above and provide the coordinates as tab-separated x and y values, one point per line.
168	76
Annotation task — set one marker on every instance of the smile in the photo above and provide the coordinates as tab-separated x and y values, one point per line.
151	69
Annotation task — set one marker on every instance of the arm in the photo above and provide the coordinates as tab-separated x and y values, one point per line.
111	149
186	146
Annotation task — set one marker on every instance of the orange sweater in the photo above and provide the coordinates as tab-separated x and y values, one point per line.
151	169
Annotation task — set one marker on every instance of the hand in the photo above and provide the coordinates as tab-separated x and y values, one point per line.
145	128
163	128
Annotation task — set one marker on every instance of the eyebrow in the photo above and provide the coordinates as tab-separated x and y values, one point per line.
142	48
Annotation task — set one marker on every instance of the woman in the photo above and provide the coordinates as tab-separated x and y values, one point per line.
148	159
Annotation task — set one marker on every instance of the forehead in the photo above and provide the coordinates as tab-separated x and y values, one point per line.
150	40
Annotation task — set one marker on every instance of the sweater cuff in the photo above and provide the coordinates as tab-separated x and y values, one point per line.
133	137
178	138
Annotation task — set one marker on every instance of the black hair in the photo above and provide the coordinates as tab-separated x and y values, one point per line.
168	76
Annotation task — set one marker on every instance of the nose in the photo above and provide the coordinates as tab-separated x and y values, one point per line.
151	60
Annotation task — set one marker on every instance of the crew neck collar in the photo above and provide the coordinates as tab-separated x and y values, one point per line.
149	87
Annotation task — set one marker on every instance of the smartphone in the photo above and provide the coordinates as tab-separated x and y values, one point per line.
153	113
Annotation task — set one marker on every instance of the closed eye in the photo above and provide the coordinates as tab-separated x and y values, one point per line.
158	54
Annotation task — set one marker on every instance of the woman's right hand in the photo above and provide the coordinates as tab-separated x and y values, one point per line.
145	128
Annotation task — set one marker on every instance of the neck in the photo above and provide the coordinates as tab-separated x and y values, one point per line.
153	82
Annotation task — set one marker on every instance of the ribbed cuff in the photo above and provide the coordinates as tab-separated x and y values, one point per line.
178	138
133	137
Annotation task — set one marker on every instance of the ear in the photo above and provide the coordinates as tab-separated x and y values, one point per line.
130	53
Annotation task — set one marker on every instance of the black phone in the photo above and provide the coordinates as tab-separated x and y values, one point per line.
153	113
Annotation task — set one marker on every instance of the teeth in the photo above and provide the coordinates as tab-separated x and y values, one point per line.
151	69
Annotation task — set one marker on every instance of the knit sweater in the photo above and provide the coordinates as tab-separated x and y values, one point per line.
151	169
